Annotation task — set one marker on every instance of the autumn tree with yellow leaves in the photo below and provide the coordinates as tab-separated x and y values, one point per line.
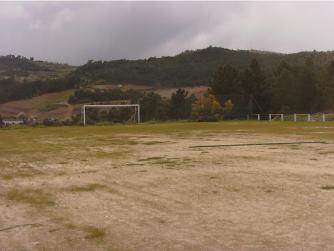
207	108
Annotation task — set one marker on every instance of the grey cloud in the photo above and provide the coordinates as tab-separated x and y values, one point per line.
74	32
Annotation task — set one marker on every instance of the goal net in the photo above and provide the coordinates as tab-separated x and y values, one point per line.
115	113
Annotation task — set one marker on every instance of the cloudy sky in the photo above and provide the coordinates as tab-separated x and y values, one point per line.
74	32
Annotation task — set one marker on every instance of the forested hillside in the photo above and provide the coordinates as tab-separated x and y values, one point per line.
24	70
190	67
24	78
288	89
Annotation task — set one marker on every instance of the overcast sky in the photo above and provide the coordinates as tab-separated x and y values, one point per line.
74	32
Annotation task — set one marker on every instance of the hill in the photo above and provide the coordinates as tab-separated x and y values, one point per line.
53	105
190	67
23	78
25	70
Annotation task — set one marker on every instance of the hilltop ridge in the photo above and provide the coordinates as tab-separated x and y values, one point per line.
189	68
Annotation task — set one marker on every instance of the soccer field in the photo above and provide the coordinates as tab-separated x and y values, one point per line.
168	186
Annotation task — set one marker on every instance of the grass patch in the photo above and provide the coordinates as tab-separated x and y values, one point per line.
63	163
33	197
327	187
183	128
121	141
60	173
93	232
20	173
151	158
166	163
159	160
326	152
154	142
134	164
70	226
44	145
85	188
115	155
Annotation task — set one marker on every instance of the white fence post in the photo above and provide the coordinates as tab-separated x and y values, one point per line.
323	117
269	116
308	117
84	115
258	116
138	107
295	117
282	117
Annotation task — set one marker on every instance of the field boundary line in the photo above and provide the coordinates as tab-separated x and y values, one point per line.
263	144
22	225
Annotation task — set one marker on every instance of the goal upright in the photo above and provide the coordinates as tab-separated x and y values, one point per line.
136	107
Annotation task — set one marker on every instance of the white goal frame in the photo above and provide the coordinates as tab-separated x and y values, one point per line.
136	106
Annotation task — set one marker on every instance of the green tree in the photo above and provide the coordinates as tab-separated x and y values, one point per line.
225	82
327	87
285	89
228	108
180	105
153	107
254	84
309	87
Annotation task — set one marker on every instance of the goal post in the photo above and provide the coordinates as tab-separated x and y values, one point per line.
136	107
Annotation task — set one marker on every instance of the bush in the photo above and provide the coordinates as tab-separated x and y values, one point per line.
207	108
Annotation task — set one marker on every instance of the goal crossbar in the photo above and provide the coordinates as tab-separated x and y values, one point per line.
136	106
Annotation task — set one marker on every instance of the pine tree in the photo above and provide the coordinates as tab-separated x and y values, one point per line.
180	105
254	84
225	83
285	89
308	88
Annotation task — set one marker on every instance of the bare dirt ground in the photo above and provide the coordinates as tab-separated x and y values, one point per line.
156	192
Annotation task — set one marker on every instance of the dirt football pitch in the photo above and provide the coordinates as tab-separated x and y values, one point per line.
168	186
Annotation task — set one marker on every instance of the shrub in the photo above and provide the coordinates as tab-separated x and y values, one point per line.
207	108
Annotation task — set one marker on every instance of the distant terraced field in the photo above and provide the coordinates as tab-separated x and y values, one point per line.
44	106
55	105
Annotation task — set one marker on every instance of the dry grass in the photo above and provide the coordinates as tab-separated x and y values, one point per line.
167	196
44	106
85	188
22	172
33	197
327	187
94	232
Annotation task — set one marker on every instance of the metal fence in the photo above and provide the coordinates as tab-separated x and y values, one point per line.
309	117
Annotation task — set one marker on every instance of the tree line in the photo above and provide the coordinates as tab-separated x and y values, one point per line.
270	82
152	105
191	67
10	89
289	89
235	93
